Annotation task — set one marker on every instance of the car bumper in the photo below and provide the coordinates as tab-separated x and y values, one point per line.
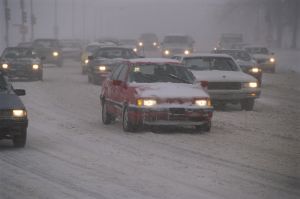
170	116
267	66
233	95
10	127
23	73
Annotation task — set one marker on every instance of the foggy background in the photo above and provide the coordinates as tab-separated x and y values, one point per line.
205	20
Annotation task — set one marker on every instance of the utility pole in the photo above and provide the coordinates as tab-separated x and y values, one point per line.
73	7
23	28
32	21
7	19
55	27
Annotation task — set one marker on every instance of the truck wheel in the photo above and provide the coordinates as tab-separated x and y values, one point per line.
127	124
19	141
204	127
247	104
106	117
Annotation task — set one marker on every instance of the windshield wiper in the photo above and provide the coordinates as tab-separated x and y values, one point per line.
178	78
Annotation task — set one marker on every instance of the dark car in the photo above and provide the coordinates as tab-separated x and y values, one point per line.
13	114
71	48
148	41
155	92
245	61
50	49
177	44
103	59
21	62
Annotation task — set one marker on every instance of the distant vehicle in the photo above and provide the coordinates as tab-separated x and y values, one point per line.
245	61
154	92
148	41
21	62
13	114
226	83
108	41
71	48
131	43
25	44
177	44
229	41
100	63
50	49
263	57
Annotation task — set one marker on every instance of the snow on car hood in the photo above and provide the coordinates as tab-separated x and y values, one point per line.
10	101
245	63
169	90
222	76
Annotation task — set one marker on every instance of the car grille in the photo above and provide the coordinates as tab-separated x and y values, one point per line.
224	86
261	61
177	51
5	114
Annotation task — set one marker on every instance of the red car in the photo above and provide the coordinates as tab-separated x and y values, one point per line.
154	92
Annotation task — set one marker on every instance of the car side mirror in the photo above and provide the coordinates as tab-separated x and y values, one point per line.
20	92
117	82
91	57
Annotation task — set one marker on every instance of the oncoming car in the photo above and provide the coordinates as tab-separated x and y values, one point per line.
13	115
21	62
226	83
155	92
177	44
101	62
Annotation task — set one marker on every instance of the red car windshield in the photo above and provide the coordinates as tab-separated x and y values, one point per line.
151	73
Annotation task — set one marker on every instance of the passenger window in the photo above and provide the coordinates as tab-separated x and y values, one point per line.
123	73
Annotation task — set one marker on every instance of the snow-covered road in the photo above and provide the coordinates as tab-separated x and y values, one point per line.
70	154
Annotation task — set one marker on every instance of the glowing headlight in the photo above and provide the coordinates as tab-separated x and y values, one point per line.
186	52
135	49
272	59
167	52
252	84
86	61
102	68
154	44
5	66
19	113
146	102
255	70
35	66
55	54
202	102
141	44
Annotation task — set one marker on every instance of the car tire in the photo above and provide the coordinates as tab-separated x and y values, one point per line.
19	141
106	117
247	104
204	127
126	123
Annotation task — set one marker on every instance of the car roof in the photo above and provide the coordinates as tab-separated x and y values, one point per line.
113	47
255	46
230	50
20	47
204	55
153	60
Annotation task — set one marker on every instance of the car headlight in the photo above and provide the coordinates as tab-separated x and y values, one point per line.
55	54
141	44
135	50
19	113
255	70
250	85
154	44
5	66
146	102
186	52
203	102
167	52
86	61
272	59
102	68
35	66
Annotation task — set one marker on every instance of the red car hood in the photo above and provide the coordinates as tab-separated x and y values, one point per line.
169	90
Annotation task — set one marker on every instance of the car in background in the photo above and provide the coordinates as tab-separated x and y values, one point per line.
229	41
21	62
50	49
226	83
177	44
13	114
130	43
100	63
154	92
71	49
245	61
148	41
264	58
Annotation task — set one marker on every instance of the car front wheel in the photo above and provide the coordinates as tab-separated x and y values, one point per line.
19	141
127	124
204	127
247	104
106	117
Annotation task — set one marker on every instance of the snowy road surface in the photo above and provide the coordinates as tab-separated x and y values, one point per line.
70	154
